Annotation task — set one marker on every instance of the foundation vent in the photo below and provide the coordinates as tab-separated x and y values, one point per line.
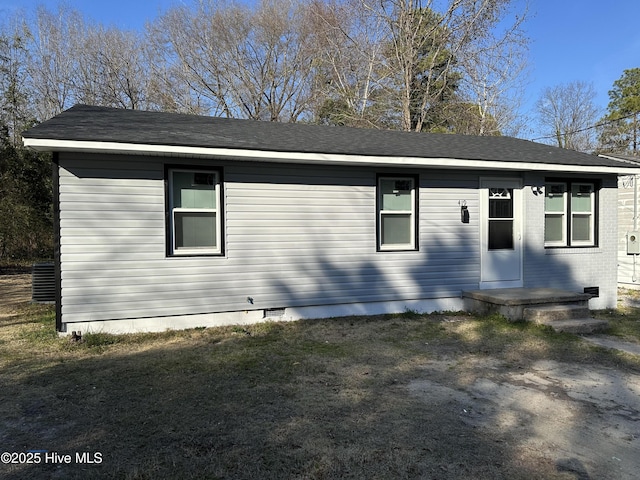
273	313
593	291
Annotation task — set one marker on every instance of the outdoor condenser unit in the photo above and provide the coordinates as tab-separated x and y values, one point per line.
43	283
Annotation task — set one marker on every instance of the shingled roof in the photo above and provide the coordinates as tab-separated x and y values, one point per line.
86	128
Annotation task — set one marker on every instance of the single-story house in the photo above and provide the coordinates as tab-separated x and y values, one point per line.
173	221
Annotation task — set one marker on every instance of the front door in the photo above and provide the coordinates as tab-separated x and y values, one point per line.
500	233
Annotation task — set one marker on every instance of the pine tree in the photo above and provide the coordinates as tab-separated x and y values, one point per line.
620	130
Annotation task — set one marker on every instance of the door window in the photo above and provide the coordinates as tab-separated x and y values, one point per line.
500	218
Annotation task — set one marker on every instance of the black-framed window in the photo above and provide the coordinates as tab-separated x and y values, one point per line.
570	213
397	211
194	210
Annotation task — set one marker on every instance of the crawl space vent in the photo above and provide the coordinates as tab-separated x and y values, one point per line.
593	291
273	312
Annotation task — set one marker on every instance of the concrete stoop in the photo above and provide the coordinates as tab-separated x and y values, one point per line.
565	318
561	310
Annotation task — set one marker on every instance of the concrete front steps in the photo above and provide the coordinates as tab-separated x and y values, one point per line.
561	310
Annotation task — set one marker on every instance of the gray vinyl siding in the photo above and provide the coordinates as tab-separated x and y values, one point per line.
294	235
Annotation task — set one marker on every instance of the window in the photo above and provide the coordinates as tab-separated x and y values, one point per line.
397	213
501	218
570	214
194	212
555	215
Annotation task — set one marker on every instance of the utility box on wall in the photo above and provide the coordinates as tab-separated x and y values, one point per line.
633	242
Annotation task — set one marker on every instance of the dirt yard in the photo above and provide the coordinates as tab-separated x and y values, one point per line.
586	420
15	290
555	418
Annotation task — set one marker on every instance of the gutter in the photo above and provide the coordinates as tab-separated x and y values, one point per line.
57	240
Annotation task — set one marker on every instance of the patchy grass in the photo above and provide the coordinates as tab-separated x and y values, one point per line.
322	399
625	320
627	326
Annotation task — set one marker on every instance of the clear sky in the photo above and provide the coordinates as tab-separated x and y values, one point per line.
589	40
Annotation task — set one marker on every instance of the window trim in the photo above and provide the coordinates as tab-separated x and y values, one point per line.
170	212
568	214
413	245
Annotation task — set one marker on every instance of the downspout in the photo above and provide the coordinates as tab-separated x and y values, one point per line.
56	239
635	202
635	134
635	221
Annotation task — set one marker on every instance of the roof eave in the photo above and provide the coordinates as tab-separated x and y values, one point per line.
50	145
632	161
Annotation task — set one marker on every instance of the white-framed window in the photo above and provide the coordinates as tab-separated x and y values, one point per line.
194	211
570	214
397	213
582	214
555	214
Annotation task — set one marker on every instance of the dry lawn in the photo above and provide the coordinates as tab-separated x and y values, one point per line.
445	396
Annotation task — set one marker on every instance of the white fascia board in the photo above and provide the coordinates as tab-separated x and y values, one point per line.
620	159
47	145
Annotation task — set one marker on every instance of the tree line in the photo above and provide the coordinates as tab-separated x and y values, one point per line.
424	65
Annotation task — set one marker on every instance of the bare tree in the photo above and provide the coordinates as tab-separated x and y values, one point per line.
401	64
252	64
192	45
348	63
169	83
493	67
53	58
73	60
429	40
15	108
568	112
414	54
112	69
420	58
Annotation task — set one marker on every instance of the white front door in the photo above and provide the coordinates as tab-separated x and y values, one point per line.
500	233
